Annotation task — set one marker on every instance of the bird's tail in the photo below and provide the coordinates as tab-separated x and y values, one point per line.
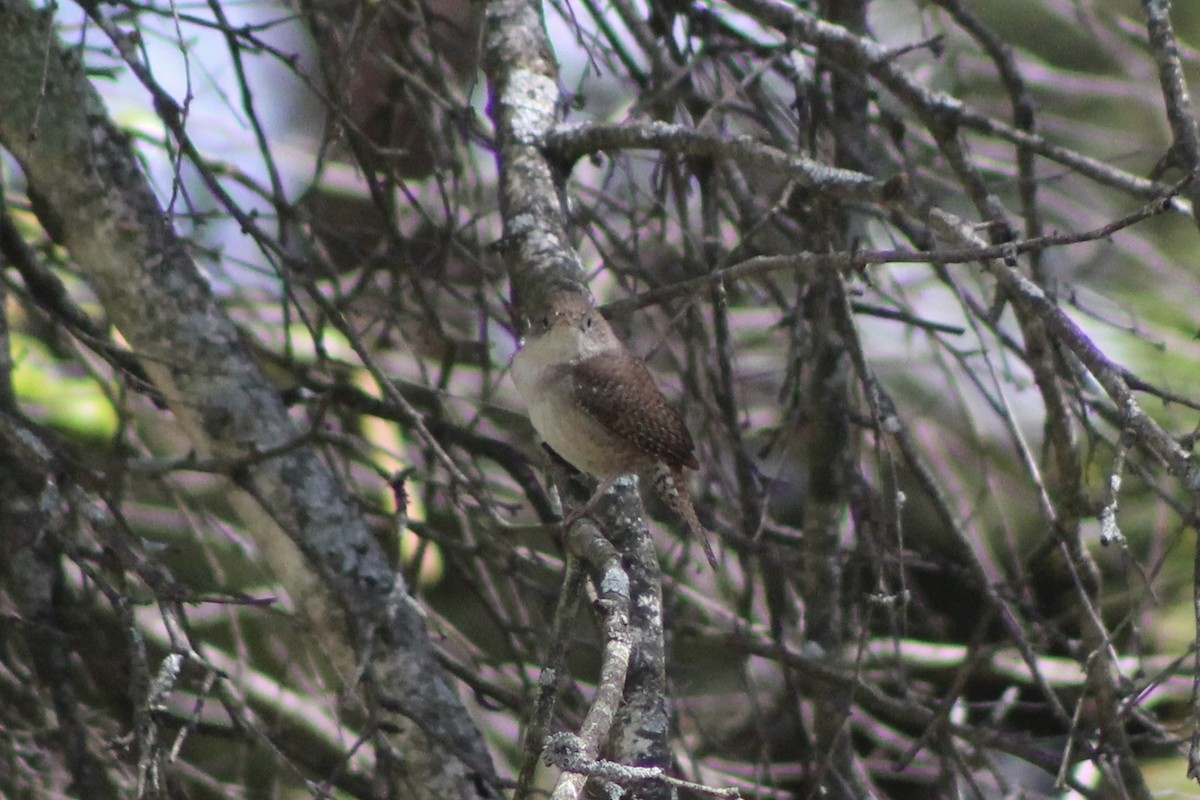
670	485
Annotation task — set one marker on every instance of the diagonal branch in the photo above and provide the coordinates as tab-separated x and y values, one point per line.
92	194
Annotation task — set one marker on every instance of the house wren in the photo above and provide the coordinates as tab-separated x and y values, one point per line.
596	404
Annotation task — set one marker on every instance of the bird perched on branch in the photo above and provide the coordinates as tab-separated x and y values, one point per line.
597	405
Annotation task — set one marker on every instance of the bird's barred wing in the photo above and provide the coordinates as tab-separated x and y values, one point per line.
619	392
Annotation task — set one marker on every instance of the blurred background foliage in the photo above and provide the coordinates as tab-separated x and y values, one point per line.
357	135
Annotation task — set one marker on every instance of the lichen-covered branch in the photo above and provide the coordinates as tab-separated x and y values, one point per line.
91	195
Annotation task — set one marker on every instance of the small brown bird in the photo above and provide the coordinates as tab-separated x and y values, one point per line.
597	405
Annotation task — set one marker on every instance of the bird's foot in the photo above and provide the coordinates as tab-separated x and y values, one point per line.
583	512
587	508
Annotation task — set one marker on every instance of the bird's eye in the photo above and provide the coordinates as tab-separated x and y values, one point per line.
587	321
544	322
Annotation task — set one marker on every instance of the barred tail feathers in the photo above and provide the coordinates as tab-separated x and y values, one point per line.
670	485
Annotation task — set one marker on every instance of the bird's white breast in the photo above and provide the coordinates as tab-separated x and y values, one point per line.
541	378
